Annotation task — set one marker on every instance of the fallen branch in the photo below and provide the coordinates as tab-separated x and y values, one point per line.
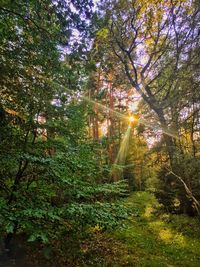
188	191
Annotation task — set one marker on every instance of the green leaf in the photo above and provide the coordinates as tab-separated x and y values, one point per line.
9	228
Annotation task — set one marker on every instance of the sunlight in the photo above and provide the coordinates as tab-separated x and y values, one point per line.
99	133
167	235
153	126
105	108
131	119
121	156
148	211
134	105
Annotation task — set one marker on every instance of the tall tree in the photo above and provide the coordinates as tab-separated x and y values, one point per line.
149	39
49	170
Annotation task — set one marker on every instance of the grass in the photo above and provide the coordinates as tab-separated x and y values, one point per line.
151	238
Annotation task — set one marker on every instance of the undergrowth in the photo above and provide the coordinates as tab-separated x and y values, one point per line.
150	238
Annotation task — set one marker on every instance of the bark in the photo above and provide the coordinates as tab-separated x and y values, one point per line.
167	138
155	106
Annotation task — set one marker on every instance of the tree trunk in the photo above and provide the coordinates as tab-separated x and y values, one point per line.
167	138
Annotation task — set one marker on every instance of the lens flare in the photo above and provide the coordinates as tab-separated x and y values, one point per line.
154	126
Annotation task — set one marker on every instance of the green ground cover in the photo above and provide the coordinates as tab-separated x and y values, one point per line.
151	238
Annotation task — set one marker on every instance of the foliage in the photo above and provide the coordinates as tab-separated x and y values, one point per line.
72	73
161	63
50	172
150	238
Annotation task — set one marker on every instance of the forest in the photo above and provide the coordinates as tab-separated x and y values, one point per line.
99	133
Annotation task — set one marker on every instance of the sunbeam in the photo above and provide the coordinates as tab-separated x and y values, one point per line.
122	153
103	107
121	156
124	117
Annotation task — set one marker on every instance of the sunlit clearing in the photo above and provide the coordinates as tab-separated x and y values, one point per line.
148	211
170	237
167	235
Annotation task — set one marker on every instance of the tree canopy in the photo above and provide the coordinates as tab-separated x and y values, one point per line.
97	99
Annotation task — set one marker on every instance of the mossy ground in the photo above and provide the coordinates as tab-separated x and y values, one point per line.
150	238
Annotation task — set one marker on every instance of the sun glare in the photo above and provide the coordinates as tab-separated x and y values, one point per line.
131	119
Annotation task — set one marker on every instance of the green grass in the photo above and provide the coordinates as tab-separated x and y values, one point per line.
154	239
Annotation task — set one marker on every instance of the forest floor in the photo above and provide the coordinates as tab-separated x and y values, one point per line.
150	238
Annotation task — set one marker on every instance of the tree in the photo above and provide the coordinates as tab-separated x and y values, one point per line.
48	166
149	31
157	44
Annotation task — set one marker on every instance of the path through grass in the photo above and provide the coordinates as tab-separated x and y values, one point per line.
153	239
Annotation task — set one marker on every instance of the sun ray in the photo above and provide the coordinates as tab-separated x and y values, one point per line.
153	126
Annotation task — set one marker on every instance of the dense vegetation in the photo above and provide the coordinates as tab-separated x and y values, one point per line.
98	99
149	238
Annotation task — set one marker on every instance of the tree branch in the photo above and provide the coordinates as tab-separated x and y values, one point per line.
188	191
24	18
